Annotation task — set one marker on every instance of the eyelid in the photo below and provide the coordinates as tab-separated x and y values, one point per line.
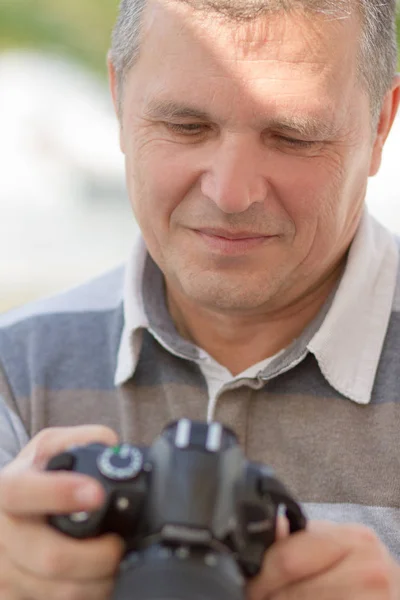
189	127
299	142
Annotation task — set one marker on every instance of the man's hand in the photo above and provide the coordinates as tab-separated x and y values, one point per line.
36	561
328	562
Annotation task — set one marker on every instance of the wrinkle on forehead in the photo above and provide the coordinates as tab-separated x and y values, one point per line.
296	36
276	30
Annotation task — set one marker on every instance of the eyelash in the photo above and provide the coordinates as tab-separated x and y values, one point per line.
186	128
295	143
193	129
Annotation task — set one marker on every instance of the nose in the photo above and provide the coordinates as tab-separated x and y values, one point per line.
234	179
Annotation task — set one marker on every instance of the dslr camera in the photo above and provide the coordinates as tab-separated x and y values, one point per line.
195	515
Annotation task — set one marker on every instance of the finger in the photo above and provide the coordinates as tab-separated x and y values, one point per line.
53	440
305	554
357	577
23	491
34	493
282	527
23	585
57	556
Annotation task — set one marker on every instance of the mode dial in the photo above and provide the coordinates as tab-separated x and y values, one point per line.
120	462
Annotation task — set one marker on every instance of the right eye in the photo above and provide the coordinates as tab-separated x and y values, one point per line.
190	129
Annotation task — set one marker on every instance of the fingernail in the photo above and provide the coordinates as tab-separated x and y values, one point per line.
88	494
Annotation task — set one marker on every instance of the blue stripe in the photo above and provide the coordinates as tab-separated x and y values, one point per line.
62	351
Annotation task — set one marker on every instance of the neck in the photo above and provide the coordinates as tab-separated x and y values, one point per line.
239	341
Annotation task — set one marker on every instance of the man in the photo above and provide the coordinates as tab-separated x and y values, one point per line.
263	295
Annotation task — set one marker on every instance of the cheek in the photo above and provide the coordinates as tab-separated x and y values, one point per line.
158	180
308	189
311	194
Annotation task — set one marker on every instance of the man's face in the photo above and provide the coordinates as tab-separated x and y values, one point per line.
248	148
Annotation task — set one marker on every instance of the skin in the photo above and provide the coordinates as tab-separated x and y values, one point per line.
36	561
328	562
204	130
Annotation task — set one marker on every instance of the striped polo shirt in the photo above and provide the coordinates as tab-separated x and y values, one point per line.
324	412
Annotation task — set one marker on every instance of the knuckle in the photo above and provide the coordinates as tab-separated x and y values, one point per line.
361	534
104	433
44	444
46	437
378	576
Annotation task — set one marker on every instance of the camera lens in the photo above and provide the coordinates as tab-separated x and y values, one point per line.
164	573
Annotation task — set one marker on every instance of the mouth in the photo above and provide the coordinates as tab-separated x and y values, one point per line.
231	235
231	242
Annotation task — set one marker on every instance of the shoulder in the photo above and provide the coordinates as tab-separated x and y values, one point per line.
50	340
100	294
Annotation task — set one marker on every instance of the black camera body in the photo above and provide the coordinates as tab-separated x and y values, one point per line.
195	515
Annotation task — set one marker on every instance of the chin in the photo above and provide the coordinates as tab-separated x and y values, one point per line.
225	296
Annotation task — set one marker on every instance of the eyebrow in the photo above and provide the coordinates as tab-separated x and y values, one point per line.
306	126
173	110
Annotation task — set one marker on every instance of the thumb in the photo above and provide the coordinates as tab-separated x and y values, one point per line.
52	441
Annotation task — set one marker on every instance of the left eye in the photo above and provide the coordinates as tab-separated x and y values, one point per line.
296	142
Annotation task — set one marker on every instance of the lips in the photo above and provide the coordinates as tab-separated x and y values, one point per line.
231	235
224	242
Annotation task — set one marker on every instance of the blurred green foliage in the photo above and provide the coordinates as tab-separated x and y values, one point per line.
78	28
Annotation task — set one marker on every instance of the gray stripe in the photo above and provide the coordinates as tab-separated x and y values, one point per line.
62	351
102	293
69	408
13	436
384	521
137	415
386	386
327	450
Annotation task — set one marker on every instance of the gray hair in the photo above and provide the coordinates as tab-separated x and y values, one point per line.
378	44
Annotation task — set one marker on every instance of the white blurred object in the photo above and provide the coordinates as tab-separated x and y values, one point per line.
56	121
383	194
64	212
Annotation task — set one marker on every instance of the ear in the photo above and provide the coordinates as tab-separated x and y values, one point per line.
386	118
115	94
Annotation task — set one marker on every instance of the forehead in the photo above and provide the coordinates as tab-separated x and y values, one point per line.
279	57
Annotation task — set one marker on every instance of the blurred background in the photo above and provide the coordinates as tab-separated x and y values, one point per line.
64	211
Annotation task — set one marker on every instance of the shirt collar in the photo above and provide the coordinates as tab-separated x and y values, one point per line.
135	318
348	342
